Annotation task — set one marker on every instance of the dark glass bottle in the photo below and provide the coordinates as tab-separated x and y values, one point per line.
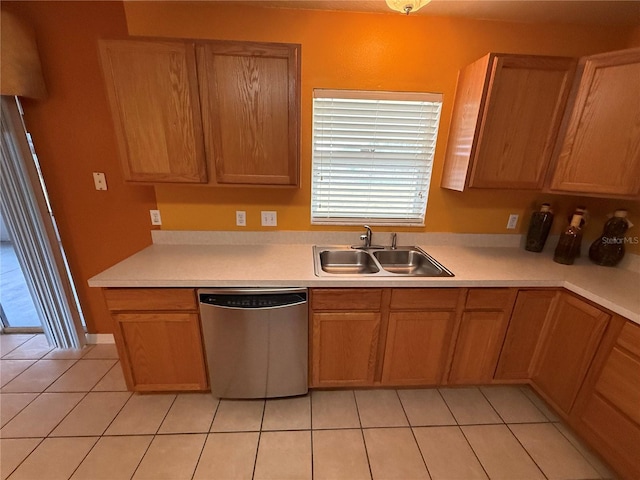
569	242
608	249
539	228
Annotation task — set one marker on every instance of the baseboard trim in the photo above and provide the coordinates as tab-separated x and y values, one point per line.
95	338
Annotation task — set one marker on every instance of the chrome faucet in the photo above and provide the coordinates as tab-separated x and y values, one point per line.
366	237
394	241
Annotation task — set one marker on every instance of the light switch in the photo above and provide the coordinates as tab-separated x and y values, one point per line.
241	218
269	218
156	219
513	221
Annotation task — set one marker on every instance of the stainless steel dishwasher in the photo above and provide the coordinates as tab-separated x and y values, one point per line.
256	341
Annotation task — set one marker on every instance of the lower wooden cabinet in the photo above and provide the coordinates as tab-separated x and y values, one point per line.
344	346
607	411
157	332
527	319
568	344
481	334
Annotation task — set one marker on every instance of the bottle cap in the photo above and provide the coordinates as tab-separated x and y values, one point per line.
620	213
576	220
545	207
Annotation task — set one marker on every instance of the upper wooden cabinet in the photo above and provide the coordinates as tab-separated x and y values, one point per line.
245	95
601	149
506	117
251	101
153	92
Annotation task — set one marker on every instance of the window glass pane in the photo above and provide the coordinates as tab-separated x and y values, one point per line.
372	156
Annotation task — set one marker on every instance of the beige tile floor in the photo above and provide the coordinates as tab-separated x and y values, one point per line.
67	414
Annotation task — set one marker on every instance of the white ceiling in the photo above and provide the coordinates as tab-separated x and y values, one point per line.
595	12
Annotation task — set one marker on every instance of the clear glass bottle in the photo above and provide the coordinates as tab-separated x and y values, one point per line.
608	249
569	243
539	228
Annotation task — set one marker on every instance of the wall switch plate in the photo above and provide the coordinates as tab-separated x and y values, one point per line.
99	180
156	219
241	218
269	218
513	221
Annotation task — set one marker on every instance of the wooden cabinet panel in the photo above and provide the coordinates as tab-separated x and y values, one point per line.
344	348
505	121
528	317
425	298
477	347
251	102
568	346
607	410
123	299
153	93
161	351
417	346
601	149
489	298
346	298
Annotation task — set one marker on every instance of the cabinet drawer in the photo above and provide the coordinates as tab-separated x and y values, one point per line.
619	383
425	298
488	298
346	299
150	298
629	338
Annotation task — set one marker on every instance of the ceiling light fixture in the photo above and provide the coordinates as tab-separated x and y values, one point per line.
407	6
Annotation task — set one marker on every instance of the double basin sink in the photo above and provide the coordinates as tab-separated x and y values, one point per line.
387	261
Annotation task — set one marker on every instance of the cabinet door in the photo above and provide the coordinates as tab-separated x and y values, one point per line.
161	351
417	347
528	317
477	347
344	348
608	411
153	93
601	149
568	345
251	101
505	121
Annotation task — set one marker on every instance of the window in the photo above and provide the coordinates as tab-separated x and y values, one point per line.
372	156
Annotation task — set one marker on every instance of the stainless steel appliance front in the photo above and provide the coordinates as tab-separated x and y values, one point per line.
256	341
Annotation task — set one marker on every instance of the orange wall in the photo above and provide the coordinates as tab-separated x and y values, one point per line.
74	137
634	38
377	52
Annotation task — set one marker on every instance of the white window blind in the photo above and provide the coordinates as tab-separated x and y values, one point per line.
372	156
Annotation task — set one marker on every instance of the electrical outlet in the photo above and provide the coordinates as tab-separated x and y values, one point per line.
513	221
99	181
156	219
241	218
269	218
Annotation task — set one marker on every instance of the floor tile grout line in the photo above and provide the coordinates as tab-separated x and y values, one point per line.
31	366
364	442
42	439
86	454
475	454
526	450
311	431
453	415
413	434
18	346
555	425
491	405
206	438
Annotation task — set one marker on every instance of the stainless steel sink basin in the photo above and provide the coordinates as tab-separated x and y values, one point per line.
401	261
347	262
407	262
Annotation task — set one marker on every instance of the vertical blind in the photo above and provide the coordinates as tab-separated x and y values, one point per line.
372	156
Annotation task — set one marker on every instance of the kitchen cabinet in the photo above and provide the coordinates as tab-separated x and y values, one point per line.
158	336
529	314
505	121
607	411
250	109
155	105
481	335
345	336
567	346
421	324
600	153
212	112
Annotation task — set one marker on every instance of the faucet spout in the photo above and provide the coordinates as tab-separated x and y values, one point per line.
366	237
394	241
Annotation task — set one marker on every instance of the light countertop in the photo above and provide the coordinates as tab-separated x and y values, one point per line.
261	265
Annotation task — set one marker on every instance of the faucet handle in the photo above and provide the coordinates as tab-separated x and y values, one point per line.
394	241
